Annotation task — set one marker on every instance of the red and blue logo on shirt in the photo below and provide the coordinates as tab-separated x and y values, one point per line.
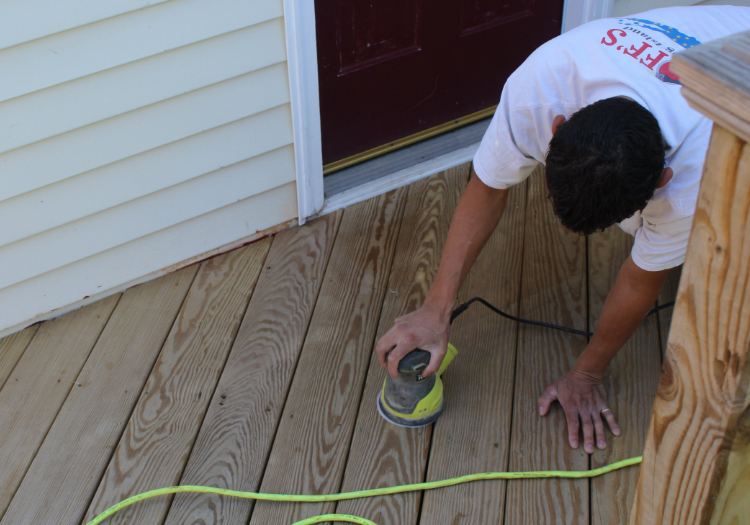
674	34
642	52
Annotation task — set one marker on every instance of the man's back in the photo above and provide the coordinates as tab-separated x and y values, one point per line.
613	57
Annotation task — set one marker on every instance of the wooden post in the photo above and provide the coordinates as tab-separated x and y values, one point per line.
696	465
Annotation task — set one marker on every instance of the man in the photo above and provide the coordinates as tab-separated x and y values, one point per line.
600	106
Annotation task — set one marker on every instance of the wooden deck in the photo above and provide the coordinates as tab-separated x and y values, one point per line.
254	371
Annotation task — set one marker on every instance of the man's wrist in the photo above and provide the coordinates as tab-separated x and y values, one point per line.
591	376
591	364
441	304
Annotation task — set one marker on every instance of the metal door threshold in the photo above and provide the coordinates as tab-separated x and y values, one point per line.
402	167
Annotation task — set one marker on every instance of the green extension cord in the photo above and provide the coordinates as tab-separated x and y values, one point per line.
301	498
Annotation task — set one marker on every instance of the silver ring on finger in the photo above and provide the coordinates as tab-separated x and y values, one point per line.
605	410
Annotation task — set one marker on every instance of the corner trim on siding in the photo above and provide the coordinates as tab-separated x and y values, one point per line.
578	12
302	60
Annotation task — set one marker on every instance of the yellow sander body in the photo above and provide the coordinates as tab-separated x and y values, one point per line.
411	400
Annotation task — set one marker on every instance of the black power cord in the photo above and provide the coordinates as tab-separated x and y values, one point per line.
462	308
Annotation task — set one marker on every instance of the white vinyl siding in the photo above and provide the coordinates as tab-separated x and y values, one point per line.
133	139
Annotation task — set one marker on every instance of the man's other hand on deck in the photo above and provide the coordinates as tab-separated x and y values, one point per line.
583	398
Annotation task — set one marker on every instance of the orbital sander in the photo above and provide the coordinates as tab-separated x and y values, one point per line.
411	400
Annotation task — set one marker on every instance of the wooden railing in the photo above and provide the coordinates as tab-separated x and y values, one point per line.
696	465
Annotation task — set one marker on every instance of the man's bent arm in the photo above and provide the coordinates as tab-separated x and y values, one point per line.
631	298
580	391
477	214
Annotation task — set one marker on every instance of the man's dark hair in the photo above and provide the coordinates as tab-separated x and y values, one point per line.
603	164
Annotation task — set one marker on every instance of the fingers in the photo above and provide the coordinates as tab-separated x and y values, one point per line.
585	410
571	414
601	442
385	345
436	359
418	329
437	355
610	417
394	358
546	400
588	431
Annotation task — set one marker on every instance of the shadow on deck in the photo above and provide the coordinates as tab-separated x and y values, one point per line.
254	371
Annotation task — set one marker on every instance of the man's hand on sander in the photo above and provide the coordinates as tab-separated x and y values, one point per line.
585	404
427	329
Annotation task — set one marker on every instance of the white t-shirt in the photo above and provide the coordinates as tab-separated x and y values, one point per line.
608	58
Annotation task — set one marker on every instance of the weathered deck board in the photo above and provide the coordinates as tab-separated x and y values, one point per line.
630	383
553	290
12	348
156	443
237	432
479	387
65	472
383	454
312	442
41	381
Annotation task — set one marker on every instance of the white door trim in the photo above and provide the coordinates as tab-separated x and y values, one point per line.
578	12
302	61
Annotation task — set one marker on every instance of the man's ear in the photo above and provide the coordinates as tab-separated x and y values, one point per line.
665	177
557	122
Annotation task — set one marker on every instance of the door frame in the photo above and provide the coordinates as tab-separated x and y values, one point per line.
302	61
578	12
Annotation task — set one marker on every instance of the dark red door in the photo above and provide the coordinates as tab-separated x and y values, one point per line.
392	68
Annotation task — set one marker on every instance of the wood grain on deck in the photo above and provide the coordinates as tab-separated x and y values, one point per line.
65	472
278	394
12	348
553	290
383	454
479	384
41	381
237	433
312	442
630	383
156	443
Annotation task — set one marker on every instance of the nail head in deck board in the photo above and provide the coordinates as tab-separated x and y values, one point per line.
64	474
702	393
45	374
310	450
11	350
156	443
235	438
479	384
553	290
630	382
382	454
